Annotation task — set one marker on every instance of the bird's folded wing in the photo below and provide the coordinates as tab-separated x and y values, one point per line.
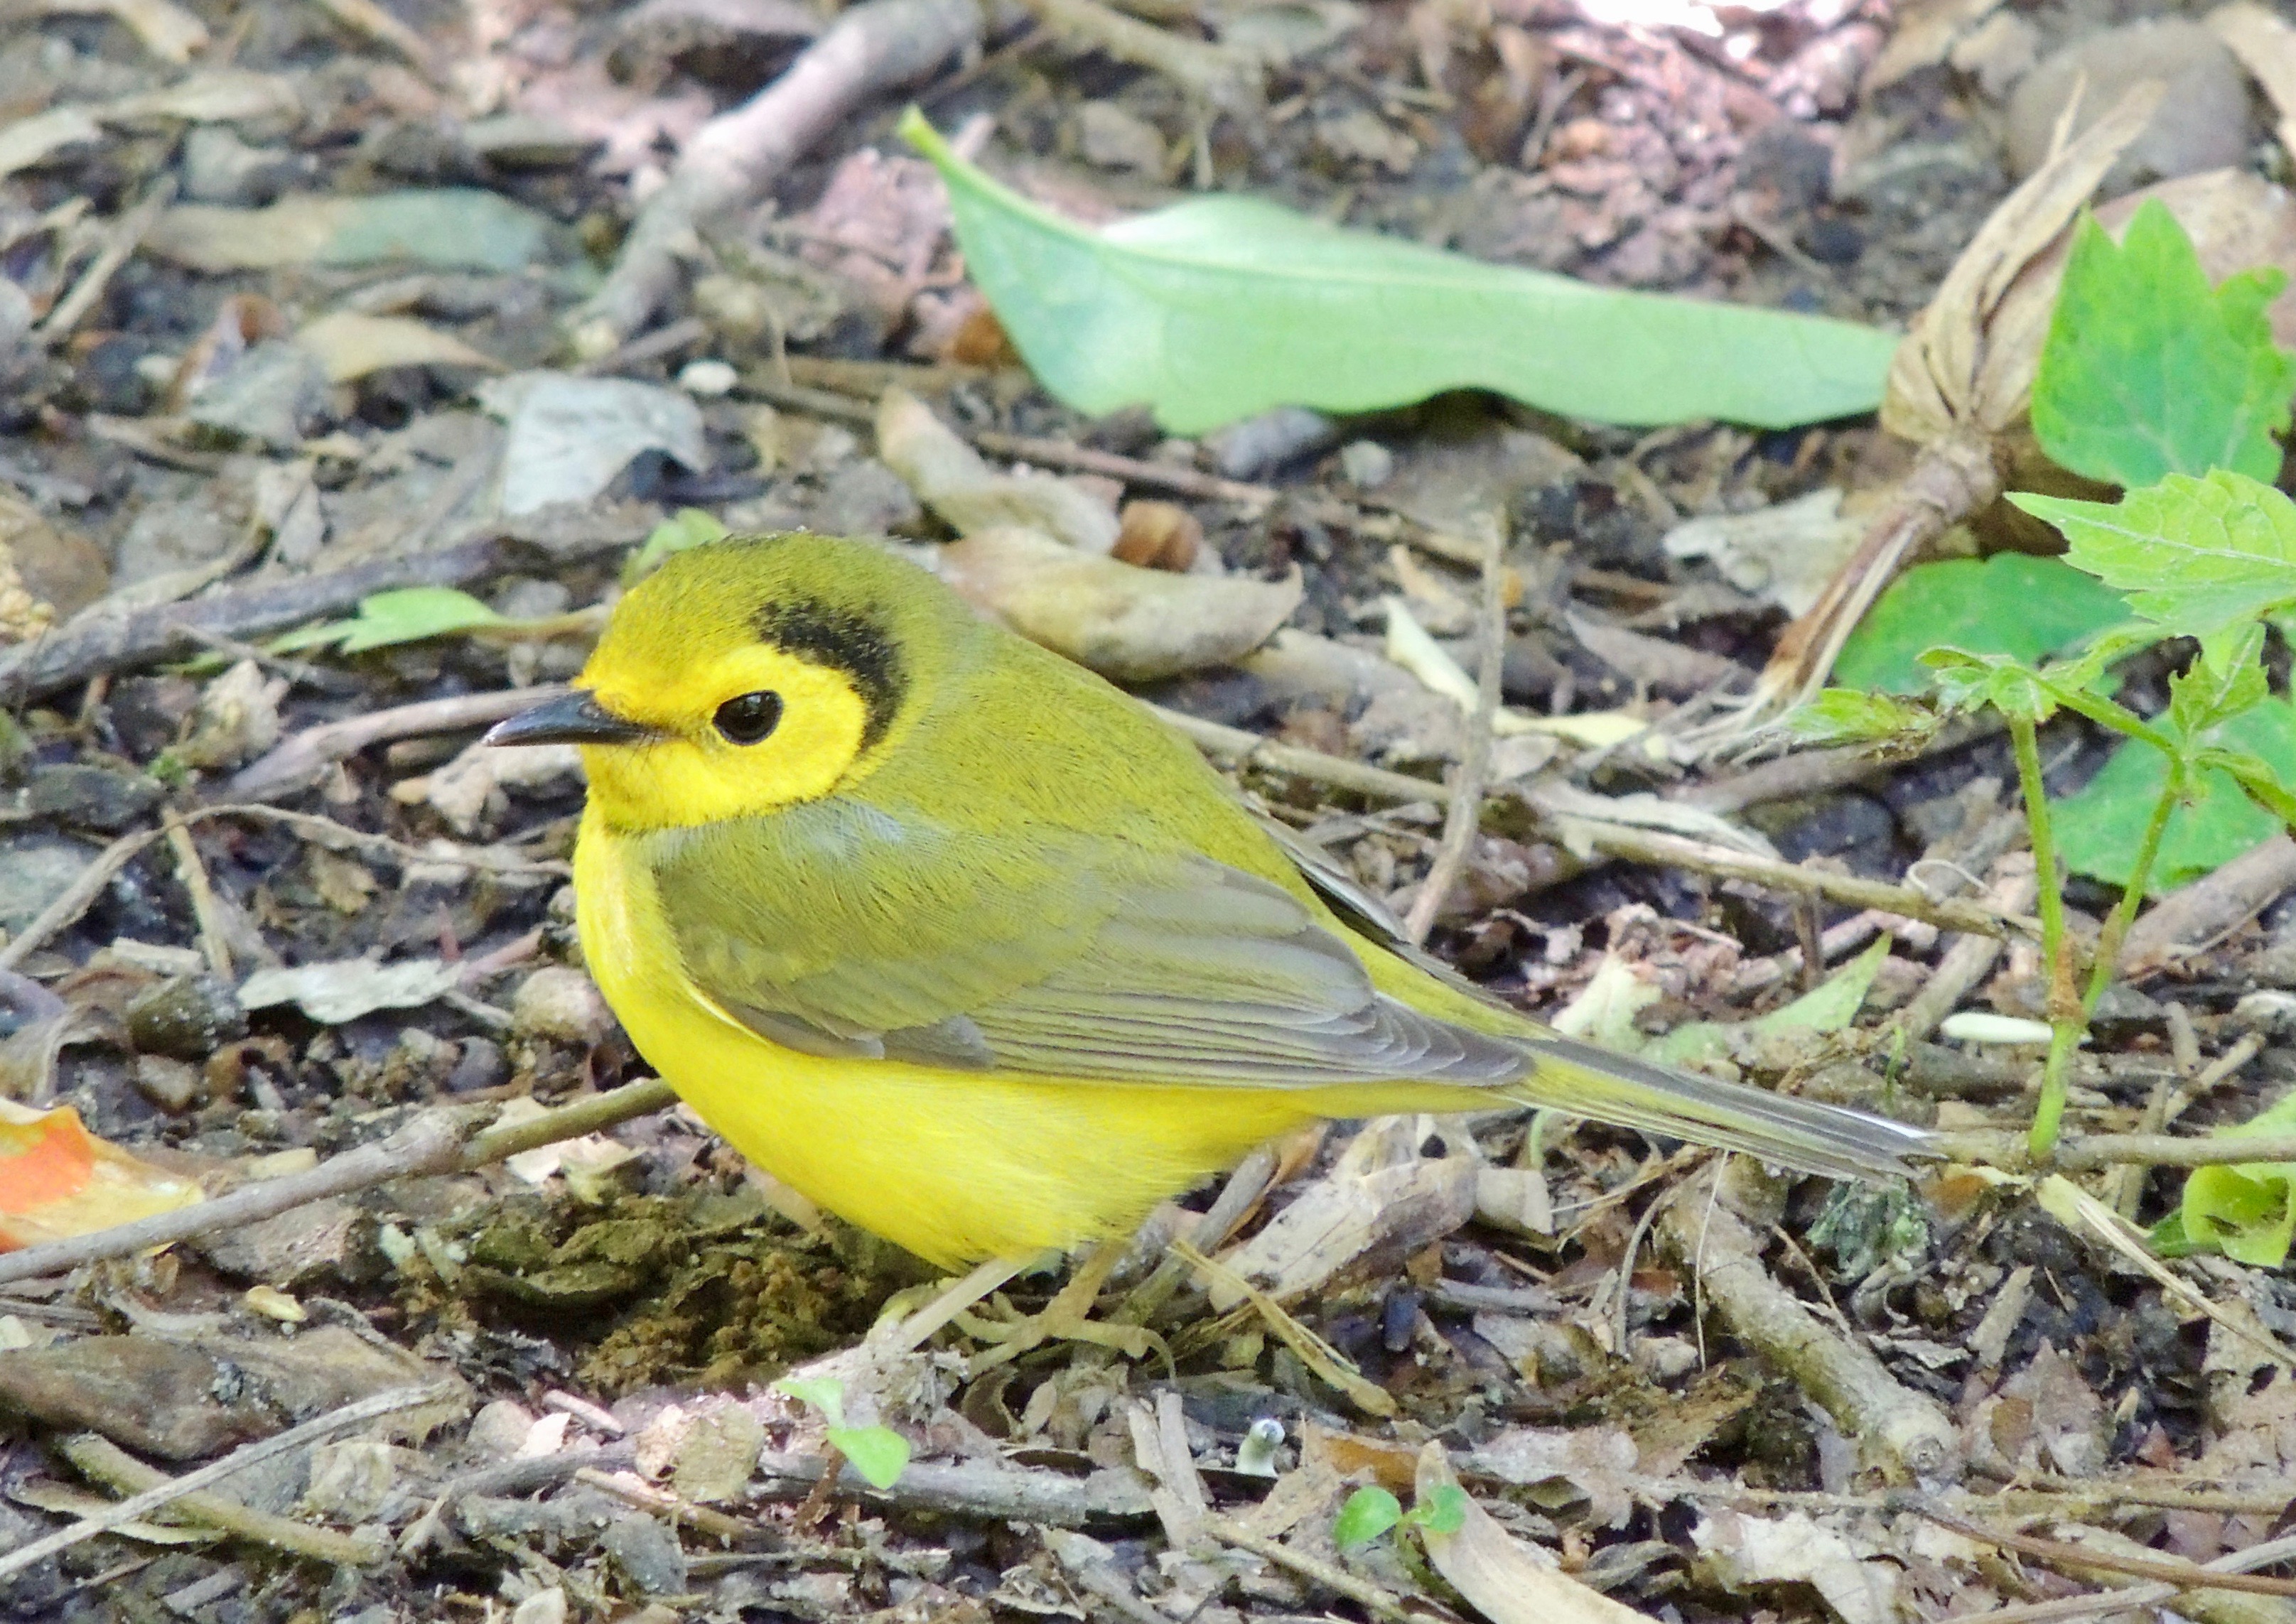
838	929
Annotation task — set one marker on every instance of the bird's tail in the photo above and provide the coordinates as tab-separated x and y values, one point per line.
1802	1134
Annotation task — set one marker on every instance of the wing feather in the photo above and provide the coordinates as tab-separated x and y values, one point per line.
842	931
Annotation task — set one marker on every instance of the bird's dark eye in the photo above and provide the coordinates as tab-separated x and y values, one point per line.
748	718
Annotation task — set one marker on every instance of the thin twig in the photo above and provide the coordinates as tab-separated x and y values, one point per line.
1623	841
1463	819
1132	471
76	898
730	161
114	1467
192	873
435	1141
1375	1599
101	641
369	1408
2184	1575
984	1488
298	760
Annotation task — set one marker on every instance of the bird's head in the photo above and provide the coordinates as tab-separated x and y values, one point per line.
744	676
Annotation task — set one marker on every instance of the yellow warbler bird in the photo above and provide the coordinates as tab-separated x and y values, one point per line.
961	942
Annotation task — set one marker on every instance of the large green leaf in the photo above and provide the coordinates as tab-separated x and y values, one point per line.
1218	307
2195	555
2148	370
2100	828
2011	603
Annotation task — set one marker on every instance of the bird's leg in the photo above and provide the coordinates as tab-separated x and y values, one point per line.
905	1332
1067	1317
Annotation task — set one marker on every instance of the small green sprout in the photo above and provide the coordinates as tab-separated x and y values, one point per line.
878	1453
1370	1512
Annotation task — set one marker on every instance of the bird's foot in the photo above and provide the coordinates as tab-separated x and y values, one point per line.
1067	1317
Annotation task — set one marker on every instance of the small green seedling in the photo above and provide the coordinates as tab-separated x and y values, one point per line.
1372	1510
2155	380
878	1453
406	615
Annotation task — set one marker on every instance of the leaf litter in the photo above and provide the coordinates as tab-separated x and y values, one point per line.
1640	1389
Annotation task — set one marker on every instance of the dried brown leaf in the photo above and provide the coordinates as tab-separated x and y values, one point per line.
1505	1580
350	344
1949	376
1132	624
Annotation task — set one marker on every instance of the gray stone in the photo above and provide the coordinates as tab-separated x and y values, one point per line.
648	1552
2203	121
92	797
35	869
864	498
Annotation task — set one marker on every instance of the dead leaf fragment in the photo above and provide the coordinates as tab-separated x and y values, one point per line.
1783	553
345	989
568	437
350	344
1381	1198
167	29
238	718
58	1179
2265	46
1131	624
28	142
1740	1552
953	479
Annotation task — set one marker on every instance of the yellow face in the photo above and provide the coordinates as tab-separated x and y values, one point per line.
748	733
742	677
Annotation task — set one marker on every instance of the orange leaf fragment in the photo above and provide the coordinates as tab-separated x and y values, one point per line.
58	1179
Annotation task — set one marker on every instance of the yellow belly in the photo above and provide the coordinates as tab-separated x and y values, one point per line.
955	1165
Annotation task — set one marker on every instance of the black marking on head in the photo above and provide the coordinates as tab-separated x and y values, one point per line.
843	641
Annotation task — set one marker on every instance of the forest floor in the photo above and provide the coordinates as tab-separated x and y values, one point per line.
260	909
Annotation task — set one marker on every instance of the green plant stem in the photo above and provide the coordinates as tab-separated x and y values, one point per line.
2066	1019
2132	895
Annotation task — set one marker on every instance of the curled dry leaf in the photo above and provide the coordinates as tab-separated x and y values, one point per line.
58	1179
468	787
1951	376
345	989
1132	624
951	479
1740	1552
1506	1579
350	344
1958	384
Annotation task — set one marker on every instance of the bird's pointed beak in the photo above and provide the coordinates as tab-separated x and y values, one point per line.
573	718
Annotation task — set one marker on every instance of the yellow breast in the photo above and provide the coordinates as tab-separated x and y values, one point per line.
955	1165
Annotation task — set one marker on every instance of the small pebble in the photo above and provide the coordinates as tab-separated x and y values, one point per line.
708	380
172	1085
563	1005
479	1065
1367	463
187	1017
